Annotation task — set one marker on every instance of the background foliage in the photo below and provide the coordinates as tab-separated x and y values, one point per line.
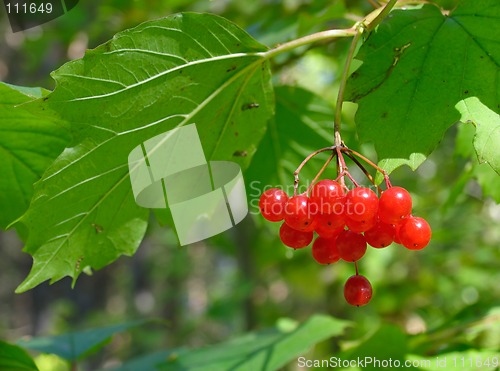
440	301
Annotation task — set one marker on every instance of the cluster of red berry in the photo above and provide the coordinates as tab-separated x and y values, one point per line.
345	221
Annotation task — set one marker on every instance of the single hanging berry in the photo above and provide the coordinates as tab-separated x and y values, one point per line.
357	290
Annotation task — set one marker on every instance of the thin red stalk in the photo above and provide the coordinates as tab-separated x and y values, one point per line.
321	171
369	162
299	169
363	169
343	168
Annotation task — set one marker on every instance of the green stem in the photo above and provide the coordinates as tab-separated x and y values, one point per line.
343	82
309	39
374	19
369	23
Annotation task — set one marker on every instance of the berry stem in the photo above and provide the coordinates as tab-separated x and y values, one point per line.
363	169
327	162
297	172
343	168
369	23
356	267
372	164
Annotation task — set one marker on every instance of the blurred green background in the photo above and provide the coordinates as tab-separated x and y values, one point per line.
245	279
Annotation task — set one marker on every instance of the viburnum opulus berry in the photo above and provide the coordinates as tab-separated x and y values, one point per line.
327	196
325	251
351	245
299	213
272	204
294	238
345	221
361	204
414	233
358	290
394	205
380	235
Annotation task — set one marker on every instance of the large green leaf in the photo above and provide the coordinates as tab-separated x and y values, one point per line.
14	358
28	145
417	66
182	69
76	345
265	350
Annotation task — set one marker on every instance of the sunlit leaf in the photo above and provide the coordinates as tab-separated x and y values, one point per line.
417	66
182	69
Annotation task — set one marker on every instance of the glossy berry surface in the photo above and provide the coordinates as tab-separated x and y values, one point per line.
414	233
360	226
351	246
394	205
327	196
361	204
324	250
357	290
329	222
381	235
293	238
298	212
272	204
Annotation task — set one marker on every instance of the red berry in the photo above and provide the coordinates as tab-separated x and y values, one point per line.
381	235
293	238
394	205
361	204
351	245
327	195
329	222
272	204
324	250
298	212
357	290
414	233
360	226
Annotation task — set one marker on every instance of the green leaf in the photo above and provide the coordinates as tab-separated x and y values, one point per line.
264	350
487	137
150	361
417	66
28	145
77	345
182	69
388	342
14	358
487	178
